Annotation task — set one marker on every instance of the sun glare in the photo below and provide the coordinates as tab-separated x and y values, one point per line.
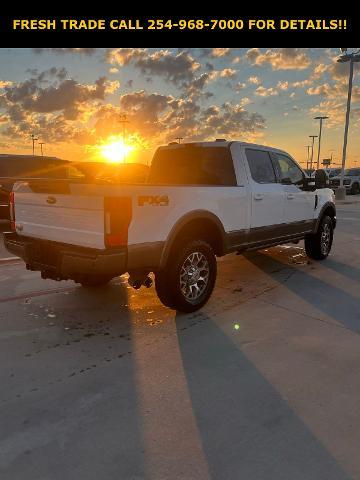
116	151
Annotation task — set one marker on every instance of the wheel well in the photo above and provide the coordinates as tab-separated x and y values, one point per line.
200	228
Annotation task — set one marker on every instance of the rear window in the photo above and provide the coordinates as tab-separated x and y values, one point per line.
37	168
193	166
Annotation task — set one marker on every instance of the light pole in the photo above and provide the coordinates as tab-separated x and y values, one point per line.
321	118
352	58
308	156
41	148
33	143
179	139
312	149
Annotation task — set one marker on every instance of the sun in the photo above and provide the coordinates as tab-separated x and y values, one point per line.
116	151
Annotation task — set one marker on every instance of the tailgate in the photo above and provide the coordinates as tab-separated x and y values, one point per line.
51	211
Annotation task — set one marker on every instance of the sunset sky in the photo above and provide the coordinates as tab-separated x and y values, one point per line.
72	99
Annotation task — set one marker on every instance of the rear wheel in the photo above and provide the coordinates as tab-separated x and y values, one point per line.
318	245
92	281
188	279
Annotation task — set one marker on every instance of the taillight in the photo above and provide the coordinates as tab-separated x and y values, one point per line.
117	218
12	211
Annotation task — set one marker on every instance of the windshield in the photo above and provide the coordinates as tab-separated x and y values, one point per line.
192	165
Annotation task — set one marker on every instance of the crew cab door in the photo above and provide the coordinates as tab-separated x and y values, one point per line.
299	205
267	196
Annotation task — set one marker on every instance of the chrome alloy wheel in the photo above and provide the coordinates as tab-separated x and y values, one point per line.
194	276
325	239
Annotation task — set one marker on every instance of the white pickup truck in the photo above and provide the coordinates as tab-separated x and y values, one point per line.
202	200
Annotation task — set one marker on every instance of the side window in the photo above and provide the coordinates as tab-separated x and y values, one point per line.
261	167
288	169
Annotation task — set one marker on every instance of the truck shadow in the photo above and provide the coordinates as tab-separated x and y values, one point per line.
333	301
246	427
348	270
92	396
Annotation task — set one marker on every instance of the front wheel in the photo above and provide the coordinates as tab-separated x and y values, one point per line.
188	279
318	245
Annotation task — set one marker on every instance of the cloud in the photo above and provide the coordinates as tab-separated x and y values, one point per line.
334	109
340	71
51	105
230	119
240	86
173	67
302	83
316	74
266	92
254	80
220	52
39	94
5	83
195	87
338	90
60	51
164	117
228	73
58	108
280	59
282	85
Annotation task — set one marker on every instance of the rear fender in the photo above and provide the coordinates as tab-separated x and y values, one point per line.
181	224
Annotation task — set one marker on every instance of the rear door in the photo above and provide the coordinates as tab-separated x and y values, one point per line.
299	204
267	196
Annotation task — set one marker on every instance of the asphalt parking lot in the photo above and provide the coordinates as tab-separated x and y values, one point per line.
263	383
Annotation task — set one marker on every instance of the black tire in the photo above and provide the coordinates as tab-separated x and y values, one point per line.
318	245
355	189
168	281
93	281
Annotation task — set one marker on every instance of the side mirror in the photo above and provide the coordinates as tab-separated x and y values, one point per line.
286	181
321	179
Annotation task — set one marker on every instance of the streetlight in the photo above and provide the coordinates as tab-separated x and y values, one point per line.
33	143
352	58
312	149
320	130
308	155
41	148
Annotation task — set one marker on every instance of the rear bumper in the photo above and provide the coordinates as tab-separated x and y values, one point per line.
65	261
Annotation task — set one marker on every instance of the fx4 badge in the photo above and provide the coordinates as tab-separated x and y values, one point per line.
154	200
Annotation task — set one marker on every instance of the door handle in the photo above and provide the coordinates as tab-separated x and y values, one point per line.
258	196
290	196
